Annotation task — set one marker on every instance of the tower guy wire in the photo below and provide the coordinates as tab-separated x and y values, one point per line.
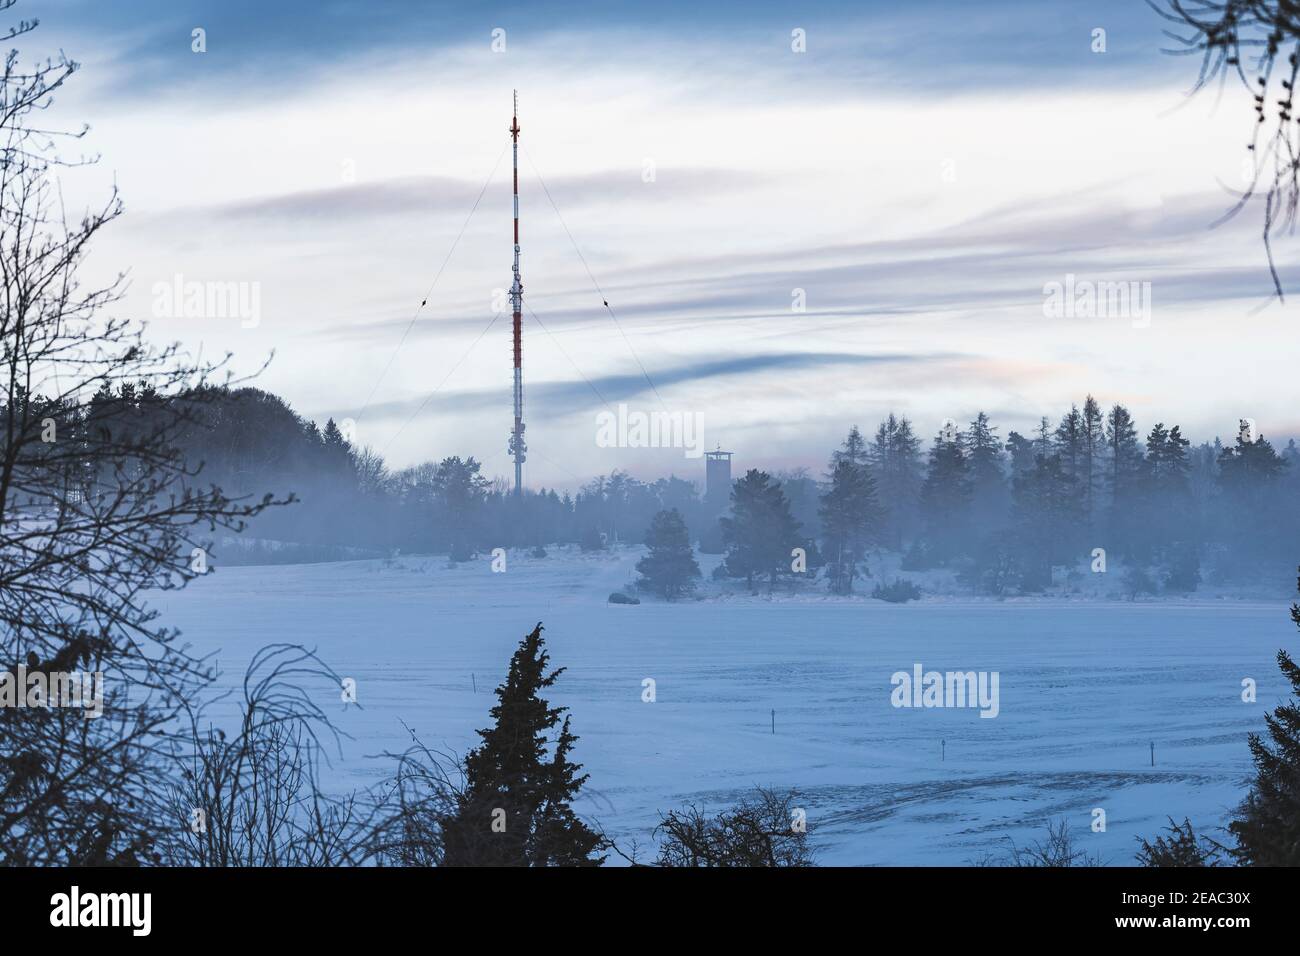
590	275
424	300
428	398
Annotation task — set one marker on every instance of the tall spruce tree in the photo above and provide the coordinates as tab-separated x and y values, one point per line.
1125	469
1070	443
1043	435
1267	827
514	809
850	518
946	498
760	532
1156	440
854	450
1170	524
1094	452
1125	464
1174	462
895	460
988	477
669	569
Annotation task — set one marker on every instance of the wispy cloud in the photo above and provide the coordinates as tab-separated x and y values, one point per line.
345	206
560	398
786	238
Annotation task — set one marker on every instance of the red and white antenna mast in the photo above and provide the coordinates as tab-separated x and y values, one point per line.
517	446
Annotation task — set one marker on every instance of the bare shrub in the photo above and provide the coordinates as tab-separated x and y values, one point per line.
759	831
254	798
1056	849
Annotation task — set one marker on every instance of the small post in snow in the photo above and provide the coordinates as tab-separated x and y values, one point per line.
773	720
1153	753
943	750
474	681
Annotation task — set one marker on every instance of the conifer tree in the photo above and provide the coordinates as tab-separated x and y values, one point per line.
984	451
1166	459
1156	439
1267	828
1125	454
1256	517
1165	500
988	478
1043	437
1021	452
760	532
945	498
895	460
854	451
1291	455
460	491
1070	443
1249	465
850	519
514	809
1125	470
560	838
1094	446
1182	847
1175	463
669	569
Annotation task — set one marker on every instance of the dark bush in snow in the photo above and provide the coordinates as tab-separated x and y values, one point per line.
897	592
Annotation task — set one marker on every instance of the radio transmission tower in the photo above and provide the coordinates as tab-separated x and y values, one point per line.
517	446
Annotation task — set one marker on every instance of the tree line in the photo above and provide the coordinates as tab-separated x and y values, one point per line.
1005	516
1017	515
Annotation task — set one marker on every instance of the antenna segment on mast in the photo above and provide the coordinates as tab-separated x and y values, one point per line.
517	447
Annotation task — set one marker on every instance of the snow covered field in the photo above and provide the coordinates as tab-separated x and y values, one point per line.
1085	688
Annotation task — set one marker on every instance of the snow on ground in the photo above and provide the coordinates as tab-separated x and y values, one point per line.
1085	688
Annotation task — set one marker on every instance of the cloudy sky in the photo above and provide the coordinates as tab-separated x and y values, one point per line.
922	172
